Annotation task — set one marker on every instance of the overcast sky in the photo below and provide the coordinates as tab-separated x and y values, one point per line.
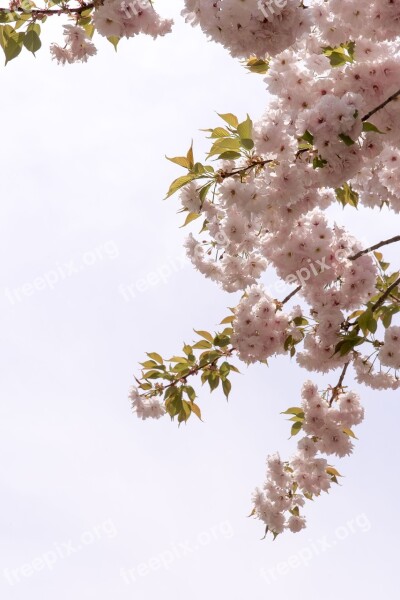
95	503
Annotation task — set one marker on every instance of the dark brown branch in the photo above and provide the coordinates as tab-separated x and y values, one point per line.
260	163
339	386
375	247
290	296
382	299
375	110
47	12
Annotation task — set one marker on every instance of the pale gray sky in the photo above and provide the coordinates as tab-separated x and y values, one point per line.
121	508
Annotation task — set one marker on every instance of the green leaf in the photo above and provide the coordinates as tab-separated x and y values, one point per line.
247	144
205	334
89	28
190	217
227	320
204	191
149	364
156	357
190	157
178	359
346	195
224	370
319	162
229	155
350	433
295	410
257	65
371	127
32	40
221	341
190	392
220	132
296	428
367	322
12	42
224	144
346	139
182	161
308	137
230	119
114	40
227	387
213	380
333	471
245	129
196	410
202	345
179	183
348	344
145	386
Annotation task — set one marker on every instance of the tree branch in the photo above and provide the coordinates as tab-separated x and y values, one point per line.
375	247
339	386
385	295
375	110
37	12
260	163
290	296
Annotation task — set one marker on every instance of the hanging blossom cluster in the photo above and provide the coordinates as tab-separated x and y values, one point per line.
330	134
77	47
307	473
150	408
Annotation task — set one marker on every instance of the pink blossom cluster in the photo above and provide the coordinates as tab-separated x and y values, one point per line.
111	19
273	217
260	328
127	18
331	131
389	354
381	379
243	28
77	48
146	408
307	474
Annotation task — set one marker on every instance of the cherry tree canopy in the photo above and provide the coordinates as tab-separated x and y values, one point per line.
330	134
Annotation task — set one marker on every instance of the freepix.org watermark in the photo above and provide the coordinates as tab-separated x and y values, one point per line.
59	273
315	548
270	8
161	274
175	552
133	8
59	551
